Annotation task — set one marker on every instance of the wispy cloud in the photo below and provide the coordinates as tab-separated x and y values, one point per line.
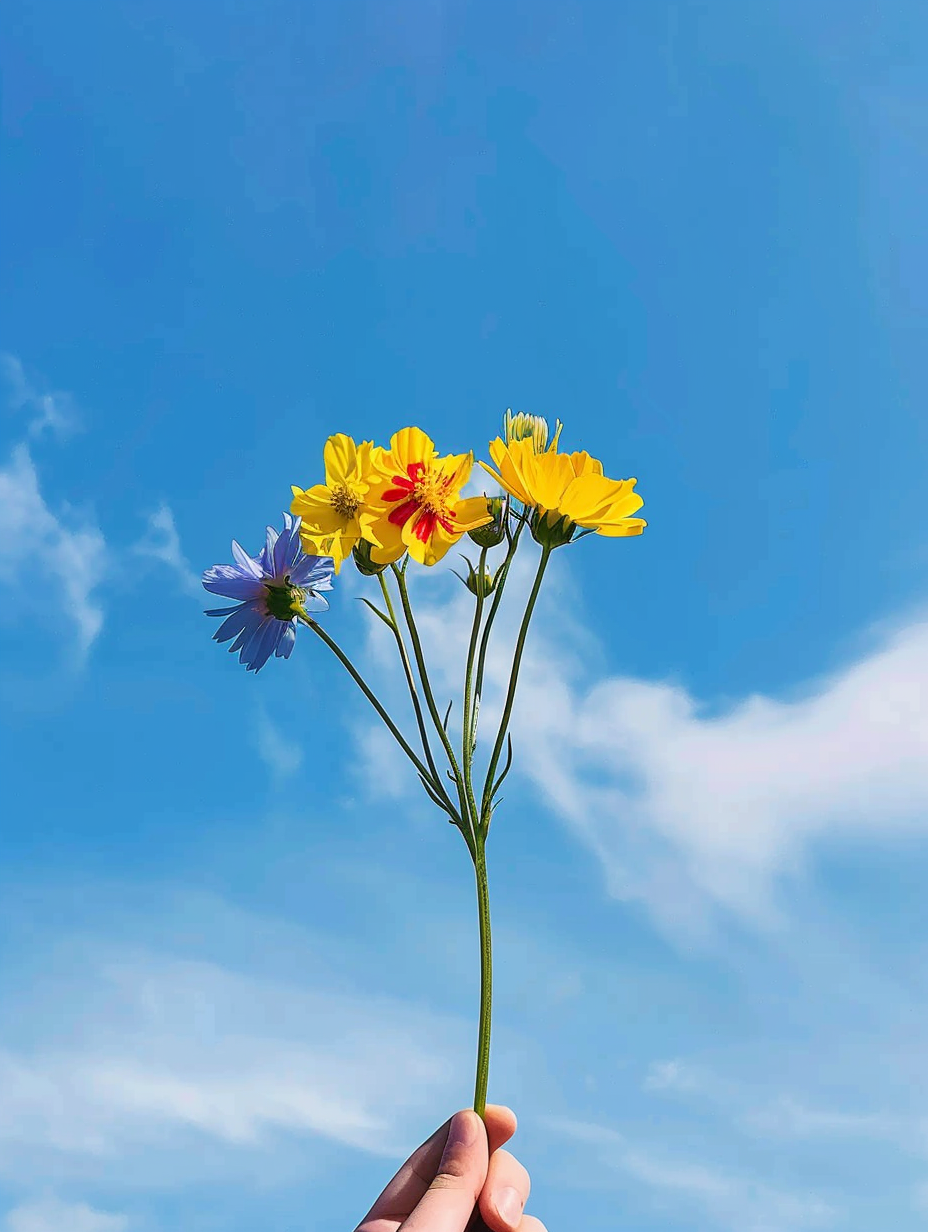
52	412
171	1070
51	563
690	811
698	813
161	542
730	1201
52	1215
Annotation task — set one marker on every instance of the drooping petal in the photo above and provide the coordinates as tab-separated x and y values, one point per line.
252	643
266	644
287	641
247	616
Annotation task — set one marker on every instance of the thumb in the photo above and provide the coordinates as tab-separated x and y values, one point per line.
448	1203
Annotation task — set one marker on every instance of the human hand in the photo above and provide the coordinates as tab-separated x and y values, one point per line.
461	1166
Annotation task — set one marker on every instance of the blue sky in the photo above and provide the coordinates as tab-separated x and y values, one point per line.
238	951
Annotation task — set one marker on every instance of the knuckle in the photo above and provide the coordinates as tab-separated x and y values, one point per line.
452	1175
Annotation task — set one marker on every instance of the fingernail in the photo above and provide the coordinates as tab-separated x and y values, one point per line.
509	1205
464	1130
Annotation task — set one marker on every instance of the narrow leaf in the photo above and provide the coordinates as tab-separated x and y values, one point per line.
377	612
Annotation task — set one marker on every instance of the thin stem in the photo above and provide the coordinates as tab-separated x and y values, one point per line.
368	693
494	606
470	838
470	713
414	694
511	693
486	981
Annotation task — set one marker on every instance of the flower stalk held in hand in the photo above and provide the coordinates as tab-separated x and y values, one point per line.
382	508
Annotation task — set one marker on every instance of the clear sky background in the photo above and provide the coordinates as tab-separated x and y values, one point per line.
237	952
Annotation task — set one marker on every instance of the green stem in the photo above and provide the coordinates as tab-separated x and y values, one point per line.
486	805
471	715
486	981
470	838
494	606
368	693
414	694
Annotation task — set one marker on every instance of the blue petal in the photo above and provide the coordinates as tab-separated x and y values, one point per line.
245	562
281	554
221	611
251	644
231	582
314	572
267	553
245	616
315	603
287	641
261	650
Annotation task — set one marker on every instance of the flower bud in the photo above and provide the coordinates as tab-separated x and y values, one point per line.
362	558
494	532
477	585
551	529
523	427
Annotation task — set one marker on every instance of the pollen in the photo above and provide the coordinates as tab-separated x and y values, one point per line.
431	492
344	501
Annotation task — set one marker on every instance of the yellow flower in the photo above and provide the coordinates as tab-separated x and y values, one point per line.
413	502
331	510
567	490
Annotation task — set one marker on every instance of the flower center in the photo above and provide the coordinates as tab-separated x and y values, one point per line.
284	601
431	492
344	501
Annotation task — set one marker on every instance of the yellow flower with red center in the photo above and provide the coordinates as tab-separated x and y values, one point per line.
331	511
567	490
413	502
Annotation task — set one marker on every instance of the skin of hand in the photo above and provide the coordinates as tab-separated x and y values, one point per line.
461	1165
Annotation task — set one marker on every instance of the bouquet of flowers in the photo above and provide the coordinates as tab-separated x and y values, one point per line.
382	509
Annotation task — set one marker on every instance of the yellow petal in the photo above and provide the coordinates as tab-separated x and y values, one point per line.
316	509
583	464
593	499
407	446
510	477
386	538
340	455
622	530
471	513
552	474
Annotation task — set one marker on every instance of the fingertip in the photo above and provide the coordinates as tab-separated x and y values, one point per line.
501	1124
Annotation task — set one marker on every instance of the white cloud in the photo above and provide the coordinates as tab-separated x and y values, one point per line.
161	542
167	1071
739	1203
52	1215
52	563
282	756
690	811
52	412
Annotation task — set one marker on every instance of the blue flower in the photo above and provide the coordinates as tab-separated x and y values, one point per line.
273	589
